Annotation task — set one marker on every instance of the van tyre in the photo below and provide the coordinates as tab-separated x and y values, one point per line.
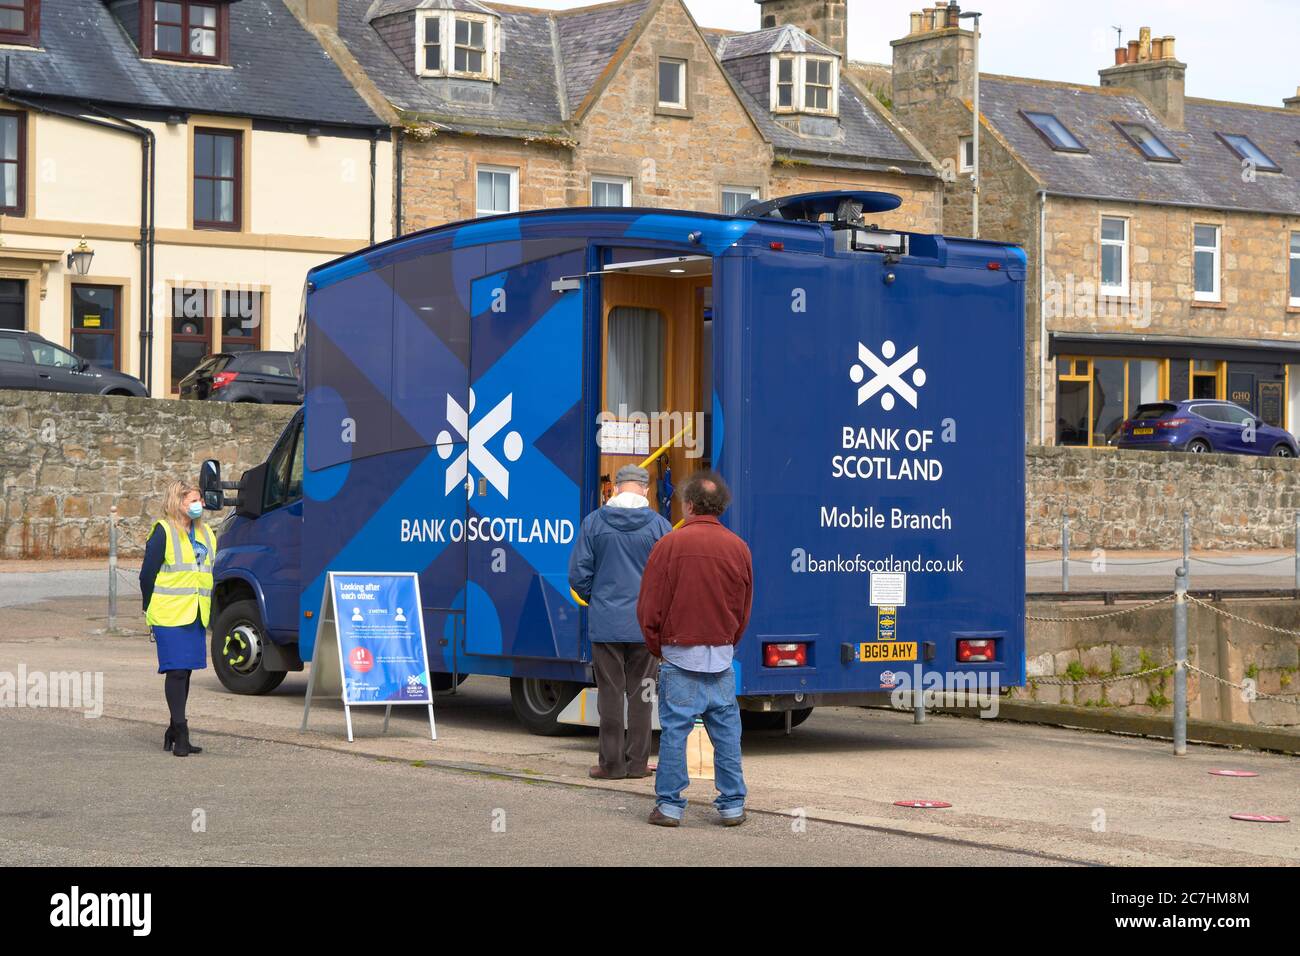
772	719
237	640
538	704
1198	446
1283	450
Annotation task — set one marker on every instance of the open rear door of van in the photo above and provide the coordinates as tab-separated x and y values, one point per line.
522	473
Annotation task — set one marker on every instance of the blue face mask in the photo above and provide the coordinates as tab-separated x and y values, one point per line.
195	510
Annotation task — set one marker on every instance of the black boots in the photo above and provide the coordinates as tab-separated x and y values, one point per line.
169	737
180	741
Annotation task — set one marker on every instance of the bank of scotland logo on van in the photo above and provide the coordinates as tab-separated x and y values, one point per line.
476	453
886	378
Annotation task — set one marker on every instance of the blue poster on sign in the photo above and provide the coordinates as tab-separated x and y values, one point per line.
381	638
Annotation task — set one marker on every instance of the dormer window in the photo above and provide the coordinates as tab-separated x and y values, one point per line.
804	83
184	30
20	21
461	45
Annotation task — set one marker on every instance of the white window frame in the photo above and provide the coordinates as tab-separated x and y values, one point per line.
420	43
624	182
749	192
799	95
965	144
513	173
1293	248
1215	294
447	20
681	81
1123	244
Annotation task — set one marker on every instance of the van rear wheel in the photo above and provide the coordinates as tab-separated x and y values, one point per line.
237	640
538	704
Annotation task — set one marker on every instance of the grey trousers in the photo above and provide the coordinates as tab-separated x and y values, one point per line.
624	672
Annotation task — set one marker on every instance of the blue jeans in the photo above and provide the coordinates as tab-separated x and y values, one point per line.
683	696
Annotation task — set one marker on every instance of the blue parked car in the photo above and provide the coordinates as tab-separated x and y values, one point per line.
1201	425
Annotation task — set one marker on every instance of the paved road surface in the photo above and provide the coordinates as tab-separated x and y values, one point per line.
101	792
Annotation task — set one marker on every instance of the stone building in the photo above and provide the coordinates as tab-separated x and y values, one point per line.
629	103
198	157
1162	231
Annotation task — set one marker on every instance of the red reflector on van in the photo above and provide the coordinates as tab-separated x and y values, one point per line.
995	266
976	651
785	655
777	246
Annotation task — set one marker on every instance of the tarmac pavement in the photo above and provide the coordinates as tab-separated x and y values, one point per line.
1038	793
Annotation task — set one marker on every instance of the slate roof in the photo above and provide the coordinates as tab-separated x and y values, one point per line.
862	137
551	61
382	8
525	102
278	70
1209	175
782	39
589	38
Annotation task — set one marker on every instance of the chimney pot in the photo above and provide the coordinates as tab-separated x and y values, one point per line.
1144	44
1169	48
1132	51
1121	56
916	23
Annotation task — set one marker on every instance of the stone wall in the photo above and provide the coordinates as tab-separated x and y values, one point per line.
1135	499
1064	660
66	459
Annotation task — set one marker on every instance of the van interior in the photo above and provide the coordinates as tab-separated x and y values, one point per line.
657	368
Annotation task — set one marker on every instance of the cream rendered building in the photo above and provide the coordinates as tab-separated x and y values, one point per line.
264	162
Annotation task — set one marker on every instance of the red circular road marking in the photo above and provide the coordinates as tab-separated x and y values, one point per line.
1234	773
1258	818
922	804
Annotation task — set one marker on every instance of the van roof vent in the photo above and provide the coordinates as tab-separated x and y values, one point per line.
842	207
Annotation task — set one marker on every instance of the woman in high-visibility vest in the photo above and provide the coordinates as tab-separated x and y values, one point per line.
176	582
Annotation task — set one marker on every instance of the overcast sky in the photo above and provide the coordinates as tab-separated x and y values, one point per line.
1244	50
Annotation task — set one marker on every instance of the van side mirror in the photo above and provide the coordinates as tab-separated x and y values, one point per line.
248	503
210	485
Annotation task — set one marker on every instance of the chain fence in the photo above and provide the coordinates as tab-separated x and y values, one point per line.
1252	692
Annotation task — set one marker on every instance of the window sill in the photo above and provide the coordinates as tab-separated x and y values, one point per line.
1293	309
200	64
681	112
1208	305
214	227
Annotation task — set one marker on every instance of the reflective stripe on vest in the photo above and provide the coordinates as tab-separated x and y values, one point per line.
183	588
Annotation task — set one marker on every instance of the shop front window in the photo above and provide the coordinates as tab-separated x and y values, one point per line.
1095	395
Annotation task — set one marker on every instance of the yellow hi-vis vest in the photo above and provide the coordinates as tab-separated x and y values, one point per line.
183	588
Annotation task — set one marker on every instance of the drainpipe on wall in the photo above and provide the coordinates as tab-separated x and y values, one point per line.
400	136
374	166
147	188
1043	366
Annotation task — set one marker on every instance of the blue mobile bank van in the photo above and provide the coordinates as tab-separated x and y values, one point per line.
469	389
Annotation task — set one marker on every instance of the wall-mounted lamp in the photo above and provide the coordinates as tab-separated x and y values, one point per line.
313	132
80	257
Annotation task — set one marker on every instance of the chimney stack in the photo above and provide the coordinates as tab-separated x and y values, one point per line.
1147	66
825	20
1293	102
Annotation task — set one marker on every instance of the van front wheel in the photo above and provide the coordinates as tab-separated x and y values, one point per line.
237	640
538	704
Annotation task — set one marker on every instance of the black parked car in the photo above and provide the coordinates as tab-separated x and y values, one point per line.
28	361
265	377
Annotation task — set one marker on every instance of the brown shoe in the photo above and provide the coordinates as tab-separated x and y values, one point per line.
734	821
600	773
661	819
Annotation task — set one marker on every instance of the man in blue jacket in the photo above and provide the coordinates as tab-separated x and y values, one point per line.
605	571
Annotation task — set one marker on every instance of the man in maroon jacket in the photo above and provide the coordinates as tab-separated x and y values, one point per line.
693	608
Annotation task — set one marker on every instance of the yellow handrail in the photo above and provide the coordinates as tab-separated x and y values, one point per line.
666	445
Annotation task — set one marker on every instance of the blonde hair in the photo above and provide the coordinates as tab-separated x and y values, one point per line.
174	503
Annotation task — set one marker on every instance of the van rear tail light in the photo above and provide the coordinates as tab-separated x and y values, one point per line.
976	651
222	379
785	655
1171	422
